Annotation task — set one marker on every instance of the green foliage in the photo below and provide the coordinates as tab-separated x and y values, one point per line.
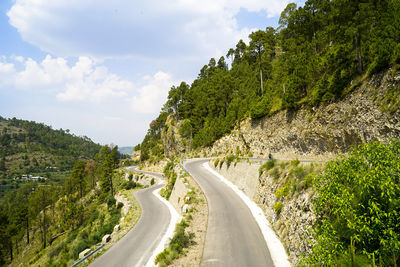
295	162
284	190
357	205
317	53
171	176
229	160
179	241
216	161
278	207
269	164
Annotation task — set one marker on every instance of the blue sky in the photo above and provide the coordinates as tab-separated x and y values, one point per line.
103	68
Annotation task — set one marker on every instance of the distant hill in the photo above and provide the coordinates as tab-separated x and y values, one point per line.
28	147
126	150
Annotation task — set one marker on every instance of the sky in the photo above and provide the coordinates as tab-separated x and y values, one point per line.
103	69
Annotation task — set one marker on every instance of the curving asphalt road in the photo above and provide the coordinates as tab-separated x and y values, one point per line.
136	247
233	236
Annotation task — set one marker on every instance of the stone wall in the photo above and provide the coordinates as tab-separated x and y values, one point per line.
242	174
178	194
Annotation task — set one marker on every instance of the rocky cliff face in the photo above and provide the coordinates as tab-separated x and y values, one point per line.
369	113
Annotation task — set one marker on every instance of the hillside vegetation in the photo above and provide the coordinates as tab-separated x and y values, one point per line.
48	223
31	148
319	53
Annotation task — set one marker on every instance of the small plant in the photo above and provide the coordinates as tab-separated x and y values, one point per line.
152	181
298	172
275	173
295	162
229	160
266	166
278	207
216	161
221	162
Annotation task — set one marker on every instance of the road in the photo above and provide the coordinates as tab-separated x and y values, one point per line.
136	247
233	236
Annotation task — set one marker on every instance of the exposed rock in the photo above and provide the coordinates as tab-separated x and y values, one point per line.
322	132
84	253
185	208
106	238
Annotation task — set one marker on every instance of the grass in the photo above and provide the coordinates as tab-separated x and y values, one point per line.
278	207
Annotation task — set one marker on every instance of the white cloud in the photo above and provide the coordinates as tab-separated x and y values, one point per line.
86	81
152	28
153	94
83	81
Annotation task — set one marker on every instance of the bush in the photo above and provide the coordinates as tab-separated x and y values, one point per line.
266	166
179	241
229	160
120	205
298	172
358	198
216	161
278	207
152	181
295	162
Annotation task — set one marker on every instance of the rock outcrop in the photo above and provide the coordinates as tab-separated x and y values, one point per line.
367	114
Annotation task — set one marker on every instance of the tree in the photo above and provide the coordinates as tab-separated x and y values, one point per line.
257	47
3	164
358	206
78	176
90	169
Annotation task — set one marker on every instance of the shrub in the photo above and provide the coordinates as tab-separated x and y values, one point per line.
295	162
298	172
266	166
216	161
358	198
278	207
179	241
275	173
229	160
152	181
120	205
221	162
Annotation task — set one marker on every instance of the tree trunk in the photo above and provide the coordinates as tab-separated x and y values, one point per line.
261	82
27	229
44	228
111	183
261	76
10	247
358	44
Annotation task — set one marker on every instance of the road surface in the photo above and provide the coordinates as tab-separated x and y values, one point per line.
233	236
136	247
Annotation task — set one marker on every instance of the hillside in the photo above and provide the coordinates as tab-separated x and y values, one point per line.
324	85
43	223
319	55
31	148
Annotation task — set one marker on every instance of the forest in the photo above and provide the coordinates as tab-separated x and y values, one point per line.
31	148
79	211
319	53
